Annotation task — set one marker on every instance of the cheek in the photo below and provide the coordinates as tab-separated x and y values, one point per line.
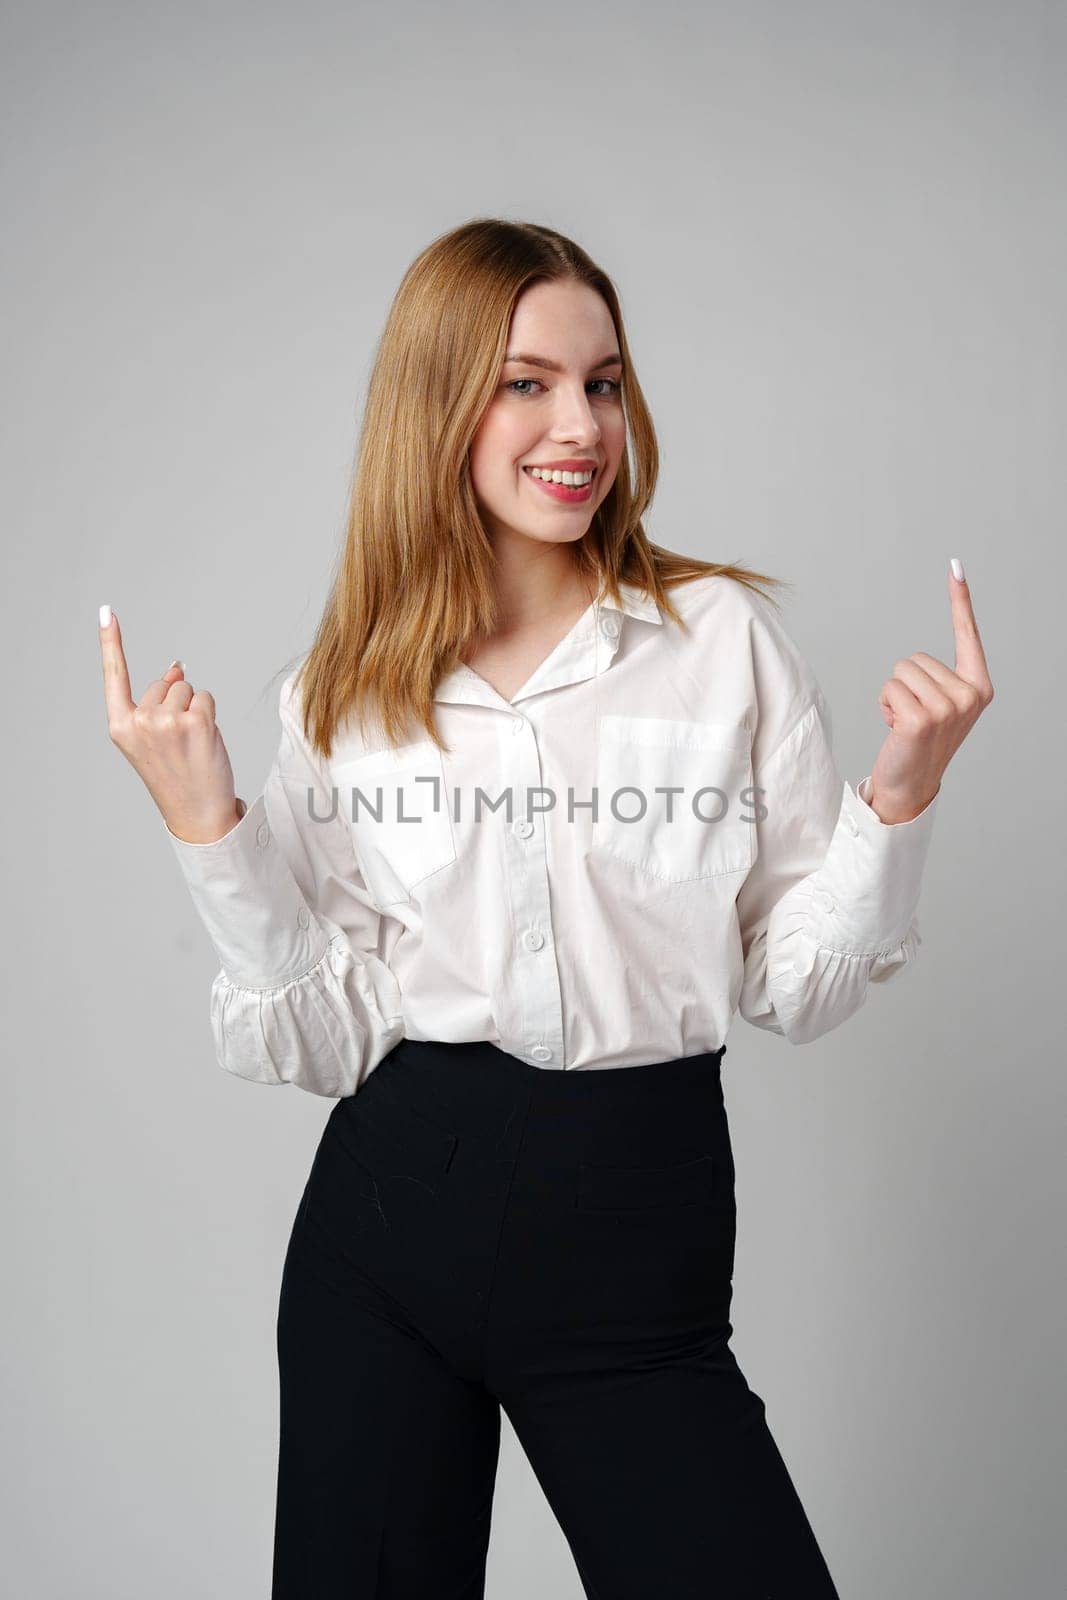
484	460
498	448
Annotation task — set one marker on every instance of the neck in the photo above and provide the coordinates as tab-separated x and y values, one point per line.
534	589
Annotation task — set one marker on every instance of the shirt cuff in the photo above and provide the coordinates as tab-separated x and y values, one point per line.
864	792
251	904
866	892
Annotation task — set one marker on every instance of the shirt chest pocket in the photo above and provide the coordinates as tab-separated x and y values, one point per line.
701	830
396	806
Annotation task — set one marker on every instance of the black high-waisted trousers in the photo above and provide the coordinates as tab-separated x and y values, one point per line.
476	1233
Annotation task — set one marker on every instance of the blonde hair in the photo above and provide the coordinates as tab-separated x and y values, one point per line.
414	585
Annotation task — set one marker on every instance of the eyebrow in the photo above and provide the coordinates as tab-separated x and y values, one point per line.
554	366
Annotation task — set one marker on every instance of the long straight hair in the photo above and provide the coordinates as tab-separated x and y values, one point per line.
414	585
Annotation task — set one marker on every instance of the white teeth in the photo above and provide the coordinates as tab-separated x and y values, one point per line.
576	479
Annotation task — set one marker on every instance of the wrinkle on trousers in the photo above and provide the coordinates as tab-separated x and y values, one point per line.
476	1233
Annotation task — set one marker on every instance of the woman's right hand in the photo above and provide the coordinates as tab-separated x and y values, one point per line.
171	740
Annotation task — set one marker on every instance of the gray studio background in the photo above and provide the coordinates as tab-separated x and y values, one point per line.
838	231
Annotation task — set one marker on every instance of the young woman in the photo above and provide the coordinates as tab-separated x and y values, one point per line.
550	805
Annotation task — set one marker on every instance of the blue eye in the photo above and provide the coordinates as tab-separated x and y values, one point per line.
614	386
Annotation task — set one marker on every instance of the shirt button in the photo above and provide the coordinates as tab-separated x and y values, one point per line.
518	724
262	835
609	627
533	939
541	1052
523	828
824	900
302	917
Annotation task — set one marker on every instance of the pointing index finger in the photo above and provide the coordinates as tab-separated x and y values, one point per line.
117	696
970	657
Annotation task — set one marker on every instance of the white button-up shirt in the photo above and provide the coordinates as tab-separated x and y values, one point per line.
648	837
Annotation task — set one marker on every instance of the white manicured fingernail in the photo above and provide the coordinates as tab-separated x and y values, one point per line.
105	616
957	570
177	663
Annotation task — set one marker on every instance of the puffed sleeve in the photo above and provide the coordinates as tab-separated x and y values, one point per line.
302	996
830	904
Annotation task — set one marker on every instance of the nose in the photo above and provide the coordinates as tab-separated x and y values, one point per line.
575	422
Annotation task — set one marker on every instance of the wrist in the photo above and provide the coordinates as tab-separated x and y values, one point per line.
206	830
894	810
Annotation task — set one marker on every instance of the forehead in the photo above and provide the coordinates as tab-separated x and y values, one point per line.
562	320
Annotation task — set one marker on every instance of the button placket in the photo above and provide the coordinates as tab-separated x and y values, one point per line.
534	995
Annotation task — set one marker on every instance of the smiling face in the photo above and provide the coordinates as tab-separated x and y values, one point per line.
541	416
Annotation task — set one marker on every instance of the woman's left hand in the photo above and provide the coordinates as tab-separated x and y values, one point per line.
930	710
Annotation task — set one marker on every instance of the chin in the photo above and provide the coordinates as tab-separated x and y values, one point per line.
553	535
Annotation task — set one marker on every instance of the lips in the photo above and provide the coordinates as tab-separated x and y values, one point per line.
567	493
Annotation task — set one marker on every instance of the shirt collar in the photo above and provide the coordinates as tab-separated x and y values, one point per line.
635	603
588	650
